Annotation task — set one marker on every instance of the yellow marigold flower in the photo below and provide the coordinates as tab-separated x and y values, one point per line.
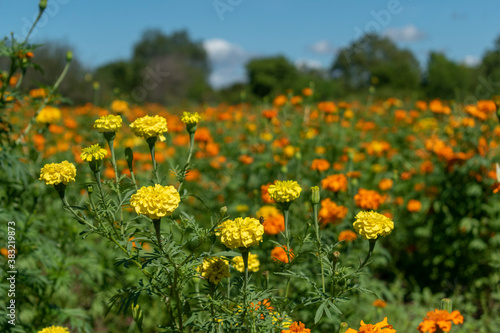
370	225
297	327
54	329
119	106
190	118
155	201
382	327
253	263
284	191
148	127
109	123
214	269
57	173
48	115
241	232
93	153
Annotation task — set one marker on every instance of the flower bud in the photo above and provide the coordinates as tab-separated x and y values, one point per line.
336	256
446	304
96	85
129	156
42	5
90	189
137	314
343	327
223	211
315	196
69	56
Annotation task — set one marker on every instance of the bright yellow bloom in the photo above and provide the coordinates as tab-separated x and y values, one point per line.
382	327
370	225
109	123
214	269
285	191
190	118
155	201
119	106
54	329
57	173
148	127
241	232
253	263
48	115
93	153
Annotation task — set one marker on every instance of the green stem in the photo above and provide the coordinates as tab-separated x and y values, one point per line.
110	220
370	252
78	217
156	224
191	145
151	142
244	255
318	238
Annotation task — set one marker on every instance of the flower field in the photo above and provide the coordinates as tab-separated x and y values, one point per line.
294	214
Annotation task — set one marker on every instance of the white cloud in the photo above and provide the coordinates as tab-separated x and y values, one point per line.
322	47
227	61
308	63
408	33
471	60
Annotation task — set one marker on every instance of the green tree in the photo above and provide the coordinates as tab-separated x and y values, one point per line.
270	75
447	79
377	58
489	70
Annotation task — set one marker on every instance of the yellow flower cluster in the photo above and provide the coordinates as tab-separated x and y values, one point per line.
119	106
54	329
48	115
284	191
93	153
155	201
370	225
148	127
57	173
241	232
109	123
253	263
190	118
214	269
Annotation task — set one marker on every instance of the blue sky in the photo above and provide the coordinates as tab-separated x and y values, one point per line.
233	31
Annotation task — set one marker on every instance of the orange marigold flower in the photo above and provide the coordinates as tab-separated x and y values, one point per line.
270	114
440	319
378	303
385	184
426	167
202	134
307	92
368	199
264	193
486	106
280	100
327	107
377	148
274	222
347	236
382	327
279	254
297	327
414	206
353	174
245	159
320	164
335	183
496	187
330	212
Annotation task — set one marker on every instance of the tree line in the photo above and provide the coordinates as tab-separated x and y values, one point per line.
174	69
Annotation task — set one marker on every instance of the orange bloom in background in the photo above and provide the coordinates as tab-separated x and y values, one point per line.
368	199
307	92
385	184
382	327
347	236
38	93
421	105
378	303
192	175
279	100
330	212
264	193
327	107
377	148
245	159
486	106
296	100
202	134
426	167
441	319
297	327
4	252
270	114
279	254
353	174
320	164
475	112
39	141
274	222
181	140
414	206
335	183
